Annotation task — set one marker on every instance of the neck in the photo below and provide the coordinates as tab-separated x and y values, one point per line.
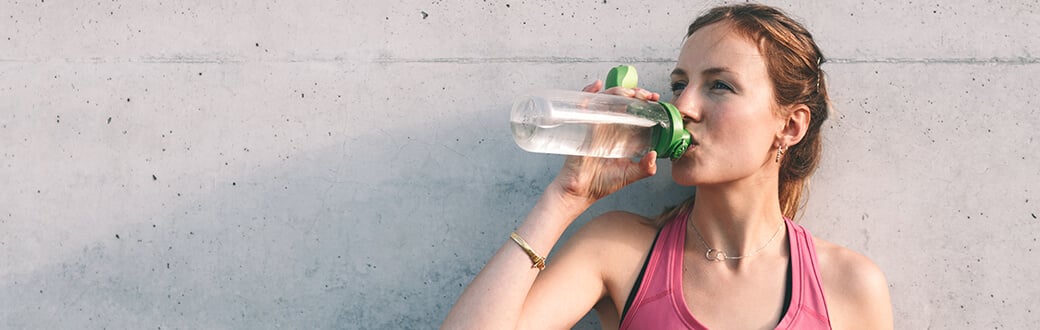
737	221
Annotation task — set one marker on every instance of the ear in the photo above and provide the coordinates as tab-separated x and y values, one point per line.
795	125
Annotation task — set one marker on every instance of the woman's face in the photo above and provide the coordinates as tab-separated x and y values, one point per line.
723	90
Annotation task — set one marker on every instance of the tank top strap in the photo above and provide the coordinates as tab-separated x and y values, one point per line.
658	303
808	308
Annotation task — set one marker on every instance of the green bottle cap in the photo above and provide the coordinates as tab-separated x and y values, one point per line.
672	140
623	76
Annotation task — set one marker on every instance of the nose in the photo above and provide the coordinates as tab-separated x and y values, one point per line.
689	107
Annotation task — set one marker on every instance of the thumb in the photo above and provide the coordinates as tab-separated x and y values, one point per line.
646	167
594	87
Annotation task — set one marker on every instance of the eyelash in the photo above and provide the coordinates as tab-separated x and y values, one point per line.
678	87
718	83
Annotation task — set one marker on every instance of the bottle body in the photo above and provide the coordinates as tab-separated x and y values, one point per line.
587	124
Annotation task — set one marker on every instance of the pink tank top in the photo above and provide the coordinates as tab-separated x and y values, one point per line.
659	302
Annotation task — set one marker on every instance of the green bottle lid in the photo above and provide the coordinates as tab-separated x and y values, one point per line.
622	75
672	140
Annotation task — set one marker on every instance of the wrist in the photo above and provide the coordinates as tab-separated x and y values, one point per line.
567	199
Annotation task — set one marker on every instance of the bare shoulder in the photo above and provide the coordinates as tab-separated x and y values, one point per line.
855	288
608	241
619	226
614	238
857	271
619	242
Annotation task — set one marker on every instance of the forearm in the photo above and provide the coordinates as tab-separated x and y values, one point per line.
495	298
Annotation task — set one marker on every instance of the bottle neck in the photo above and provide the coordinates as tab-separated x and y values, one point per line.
672	139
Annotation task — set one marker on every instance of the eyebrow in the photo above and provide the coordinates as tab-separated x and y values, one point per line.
707	72
678	72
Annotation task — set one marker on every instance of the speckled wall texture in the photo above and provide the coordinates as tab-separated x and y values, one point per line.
348	164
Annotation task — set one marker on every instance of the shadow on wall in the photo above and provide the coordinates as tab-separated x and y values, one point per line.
351	236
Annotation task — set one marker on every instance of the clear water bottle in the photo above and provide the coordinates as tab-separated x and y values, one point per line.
598	125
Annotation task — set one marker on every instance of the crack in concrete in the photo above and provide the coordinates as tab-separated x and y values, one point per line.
565	60
968	60
493	60
523	59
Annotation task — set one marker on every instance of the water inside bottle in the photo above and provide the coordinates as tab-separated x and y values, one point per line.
587	134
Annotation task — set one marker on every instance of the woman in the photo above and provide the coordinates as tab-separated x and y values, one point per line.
749	85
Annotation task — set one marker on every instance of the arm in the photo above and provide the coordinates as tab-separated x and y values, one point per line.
596	268
497	297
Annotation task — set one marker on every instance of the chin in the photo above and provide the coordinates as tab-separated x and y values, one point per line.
683	177
685	172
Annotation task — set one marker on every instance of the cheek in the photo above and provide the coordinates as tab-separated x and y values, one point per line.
742	133
732	125
748	119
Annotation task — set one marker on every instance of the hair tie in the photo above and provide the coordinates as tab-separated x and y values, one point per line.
819	73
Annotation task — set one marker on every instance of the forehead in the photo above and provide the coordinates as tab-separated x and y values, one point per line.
719	45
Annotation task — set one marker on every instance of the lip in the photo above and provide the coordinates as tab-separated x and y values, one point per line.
693	145
693	140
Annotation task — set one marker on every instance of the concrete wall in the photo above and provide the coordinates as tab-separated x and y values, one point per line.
347	164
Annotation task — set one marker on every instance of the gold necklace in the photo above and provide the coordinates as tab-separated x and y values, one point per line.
718	255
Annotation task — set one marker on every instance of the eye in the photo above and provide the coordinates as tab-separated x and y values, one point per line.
678	87
718	84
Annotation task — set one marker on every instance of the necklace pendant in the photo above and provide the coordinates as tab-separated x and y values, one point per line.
715	255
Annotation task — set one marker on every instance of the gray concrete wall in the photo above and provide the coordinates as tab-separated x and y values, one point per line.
347	164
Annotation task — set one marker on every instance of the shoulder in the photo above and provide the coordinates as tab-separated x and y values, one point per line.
613	235
619	225
615	244
616	235
855	288
848	271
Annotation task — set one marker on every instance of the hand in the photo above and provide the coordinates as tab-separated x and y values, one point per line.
591	178
637	92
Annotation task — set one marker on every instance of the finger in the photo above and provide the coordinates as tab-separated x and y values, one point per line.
628	92
643	94
654	97
647	167
649	163
594	86
637	92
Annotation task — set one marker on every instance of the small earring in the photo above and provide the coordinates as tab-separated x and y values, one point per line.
779	152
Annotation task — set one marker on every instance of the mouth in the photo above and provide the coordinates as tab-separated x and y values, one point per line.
693	145
693	140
